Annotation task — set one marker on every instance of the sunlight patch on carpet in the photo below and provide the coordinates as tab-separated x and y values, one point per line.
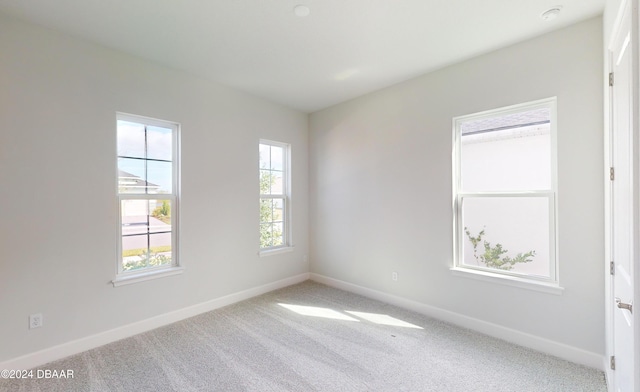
318	312
383	319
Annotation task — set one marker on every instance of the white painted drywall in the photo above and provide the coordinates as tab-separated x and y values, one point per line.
380	185
58	102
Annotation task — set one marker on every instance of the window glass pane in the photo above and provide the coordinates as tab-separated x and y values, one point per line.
135	240
139	248
145	166
159	143
506	153
135	217
278	234
510	233
277	186
160	251
278	209
131	175
273	182
277	155
131	139
265	182
266	235
265	156
134	252
160	219
266	213
159	177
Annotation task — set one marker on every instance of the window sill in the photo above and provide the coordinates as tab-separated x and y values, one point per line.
275	251
514	281
146	275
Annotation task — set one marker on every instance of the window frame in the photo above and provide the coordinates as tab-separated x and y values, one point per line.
176	267
285	196
540	283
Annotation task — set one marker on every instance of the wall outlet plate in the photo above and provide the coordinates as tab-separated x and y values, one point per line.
35	321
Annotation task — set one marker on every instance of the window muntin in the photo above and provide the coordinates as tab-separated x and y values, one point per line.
147	194
274	194
504	189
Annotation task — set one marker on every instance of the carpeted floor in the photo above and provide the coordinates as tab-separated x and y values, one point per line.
310	337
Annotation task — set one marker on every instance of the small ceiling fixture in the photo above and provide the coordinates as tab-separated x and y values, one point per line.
301	10
551	13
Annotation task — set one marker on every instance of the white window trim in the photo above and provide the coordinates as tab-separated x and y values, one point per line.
176	267
145	275
275	250
286	196
507	280
531	282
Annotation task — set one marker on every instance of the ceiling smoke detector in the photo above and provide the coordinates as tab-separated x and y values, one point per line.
301	10
551	13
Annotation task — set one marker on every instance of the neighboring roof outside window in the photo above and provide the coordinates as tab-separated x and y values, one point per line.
508	121
128	181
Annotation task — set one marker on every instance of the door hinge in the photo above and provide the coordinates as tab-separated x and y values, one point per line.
612	268
610	79
612	362
611	174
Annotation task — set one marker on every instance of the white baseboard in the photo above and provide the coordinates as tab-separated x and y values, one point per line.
54	353
537	343
547	346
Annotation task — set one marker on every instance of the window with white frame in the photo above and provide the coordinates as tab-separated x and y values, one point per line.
274	195
504	181
147	152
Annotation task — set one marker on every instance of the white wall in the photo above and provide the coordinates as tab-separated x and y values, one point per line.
380	186
58	101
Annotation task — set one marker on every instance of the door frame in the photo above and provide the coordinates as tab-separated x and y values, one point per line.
635	90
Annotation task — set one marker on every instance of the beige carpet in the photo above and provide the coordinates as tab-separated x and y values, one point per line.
310	337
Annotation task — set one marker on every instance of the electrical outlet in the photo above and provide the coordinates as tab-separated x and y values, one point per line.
35	321
394	276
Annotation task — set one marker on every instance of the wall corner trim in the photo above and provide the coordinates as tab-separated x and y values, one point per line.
63	350
557	349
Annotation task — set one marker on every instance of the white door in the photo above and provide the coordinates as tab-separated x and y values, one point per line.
623	204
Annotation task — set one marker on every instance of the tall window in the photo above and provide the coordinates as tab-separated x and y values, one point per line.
274	195
147	194
504	189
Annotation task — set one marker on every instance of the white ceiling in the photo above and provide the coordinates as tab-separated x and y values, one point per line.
343	49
